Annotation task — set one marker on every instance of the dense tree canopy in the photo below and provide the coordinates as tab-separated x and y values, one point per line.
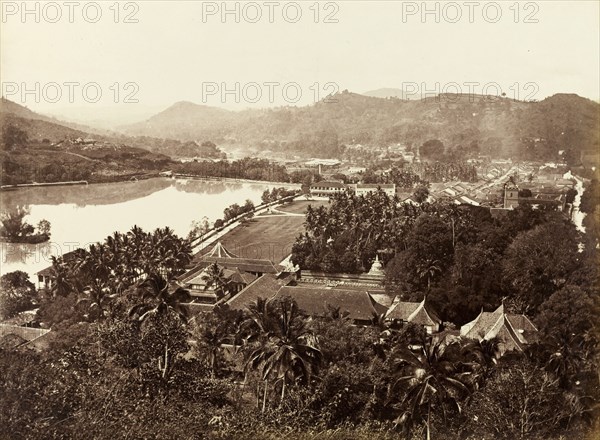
17	294
536	265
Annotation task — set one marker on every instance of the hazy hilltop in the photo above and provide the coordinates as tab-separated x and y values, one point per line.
495	126
388	92
467	125
18	110
185	121
40	128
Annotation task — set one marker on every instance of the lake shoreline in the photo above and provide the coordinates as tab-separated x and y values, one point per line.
86	214
42	184
31	239
137	178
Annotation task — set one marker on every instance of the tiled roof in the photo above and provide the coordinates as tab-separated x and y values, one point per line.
507	335
480	327
415	312
198	276
315	301
381	297
243	264
524	328
513	330
219	251
265	286
196	308
375	185
362	280
46	272
192	273
242	277
402	310
468	200
323	184
423	316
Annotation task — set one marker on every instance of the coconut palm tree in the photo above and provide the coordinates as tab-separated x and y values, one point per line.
158	297
160	315
286	351
62	284
98	298
258	320
215	278
480	358
429	378
211	332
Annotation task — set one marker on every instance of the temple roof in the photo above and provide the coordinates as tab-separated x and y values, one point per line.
415	312
243	264
219	251
264	287
512	329
316	301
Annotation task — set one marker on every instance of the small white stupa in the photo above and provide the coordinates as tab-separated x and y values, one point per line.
376	267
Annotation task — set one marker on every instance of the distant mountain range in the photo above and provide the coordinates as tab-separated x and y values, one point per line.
497	126
40	127
10	107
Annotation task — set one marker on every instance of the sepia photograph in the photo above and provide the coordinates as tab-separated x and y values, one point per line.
301	220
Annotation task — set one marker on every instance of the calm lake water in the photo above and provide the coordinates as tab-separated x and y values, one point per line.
81	215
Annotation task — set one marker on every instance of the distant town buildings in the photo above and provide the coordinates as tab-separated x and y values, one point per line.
361	189
536	196
511	195
327	188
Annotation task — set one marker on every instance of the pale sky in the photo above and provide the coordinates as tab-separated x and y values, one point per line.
181	50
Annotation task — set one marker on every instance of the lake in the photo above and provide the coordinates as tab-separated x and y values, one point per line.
85	214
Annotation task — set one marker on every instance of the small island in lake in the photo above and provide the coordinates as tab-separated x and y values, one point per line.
14	229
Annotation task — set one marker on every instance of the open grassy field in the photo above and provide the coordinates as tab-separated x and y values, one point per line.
299	206
268	236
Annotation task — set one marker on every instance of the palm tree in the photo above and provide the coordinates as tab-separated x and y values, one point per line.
212	330
480	357
62	284
258	321
429	378
98	298
215	278
161	304
286	350
158	297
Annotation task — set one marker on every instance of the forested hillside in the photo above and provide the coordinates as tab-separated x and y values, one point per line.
41	128
499	127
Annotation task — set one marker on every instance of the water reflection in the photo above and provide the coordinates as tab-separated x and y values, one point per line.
81	215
